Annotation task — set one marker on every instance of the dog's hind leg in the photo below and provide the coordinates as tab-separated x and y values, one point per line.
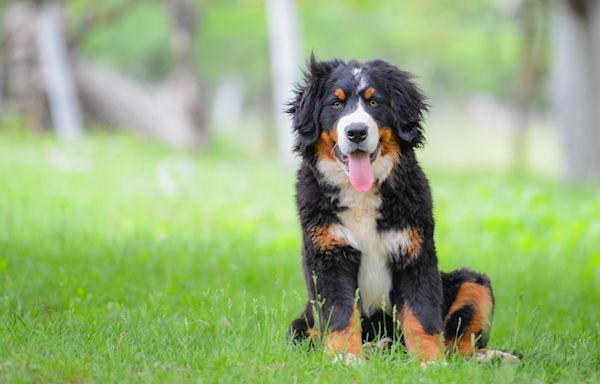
467	310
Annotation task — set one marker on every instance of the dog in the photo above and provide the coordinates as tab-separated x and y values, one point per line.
365	209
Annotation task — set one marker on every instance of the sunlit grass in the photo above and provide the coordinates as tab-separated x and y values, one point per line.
125	261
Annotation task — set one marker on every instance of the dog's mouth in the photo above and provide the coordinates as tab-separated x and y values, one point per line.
344	158
358	167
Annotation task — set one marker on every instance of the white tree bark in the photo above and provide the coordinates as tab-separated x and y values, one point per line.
284	45
576	87
36	66
22	85
57	75
228	103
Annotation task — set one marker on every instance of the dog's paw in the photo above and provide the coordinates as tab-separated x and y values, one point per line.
433	363
347	359
381	345
493	356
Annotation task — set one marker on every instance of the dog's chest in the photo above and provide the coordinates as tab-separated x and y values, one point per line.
358	228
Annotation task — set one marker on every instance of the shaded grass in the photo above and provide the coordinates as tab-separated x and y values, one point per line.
122	261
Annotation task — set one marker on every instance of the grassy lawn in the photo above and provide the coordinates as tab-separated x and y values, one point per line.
122	261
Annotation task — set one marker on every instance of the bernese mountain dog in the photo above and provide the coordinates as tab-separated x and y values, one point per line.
365	209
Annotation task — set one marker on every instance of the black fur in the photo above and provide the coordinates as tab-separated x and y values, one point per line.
453	280
405	203
406	101
381	325
451	283
306	106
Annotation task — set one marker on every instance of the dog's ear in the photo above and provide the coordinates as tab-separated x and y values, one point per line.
407	101
306	104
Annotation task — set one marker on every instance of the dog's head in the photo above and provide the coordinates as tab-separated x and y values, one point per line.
354	119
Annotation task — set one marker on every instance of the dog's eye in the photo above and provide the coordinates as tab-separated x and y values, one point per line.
373	103
336	104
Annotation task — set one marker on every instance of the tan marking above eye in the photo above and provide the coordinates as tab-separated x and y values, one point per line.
369	93
339	92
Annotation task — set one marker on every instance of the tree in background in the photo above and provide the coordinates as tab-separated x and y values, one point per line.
170	110
576	85
284	50
531	16
20	72
457	49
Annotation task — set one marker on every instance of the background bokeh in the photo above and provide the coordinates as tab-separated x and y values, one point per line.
485	65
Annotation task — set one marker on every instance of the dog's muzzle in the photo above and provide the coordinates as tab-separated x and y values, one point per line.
357	131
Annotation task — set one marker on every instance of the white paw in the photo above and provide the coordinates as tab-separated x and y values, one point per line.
347	359
491	355
433	363
381	345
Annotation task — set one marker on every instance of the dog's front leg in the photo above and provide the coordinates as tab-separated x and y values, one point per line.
336	283
417	296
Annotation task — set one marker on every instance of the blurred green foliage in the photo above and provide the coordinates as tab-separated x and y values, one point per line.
137	42
463	46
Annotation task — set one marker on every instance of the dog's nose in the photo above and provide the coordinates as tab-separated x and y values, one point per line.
357	132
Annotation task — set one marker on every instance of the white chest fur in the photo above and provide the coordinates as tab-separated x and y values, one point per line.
359	229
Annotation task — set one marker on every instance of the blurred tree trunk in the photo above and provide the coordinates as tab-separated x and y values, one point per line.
23	88
35	67
121	102
532	23
576	85
57	73
284	46
184	77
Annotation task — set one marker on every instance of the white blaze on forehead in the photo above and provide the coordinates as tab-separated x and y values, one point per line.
362	84
357	116
362	81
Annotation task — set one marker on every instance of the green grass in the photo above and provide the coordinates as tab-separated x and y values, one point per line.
105	276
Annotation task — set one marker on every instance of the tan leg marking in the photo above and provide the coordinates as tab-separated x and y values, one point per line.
424	346
313	334
480	298
347	340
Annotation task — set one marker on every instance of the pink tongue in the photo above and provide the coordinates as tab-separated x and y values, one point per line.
361	174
